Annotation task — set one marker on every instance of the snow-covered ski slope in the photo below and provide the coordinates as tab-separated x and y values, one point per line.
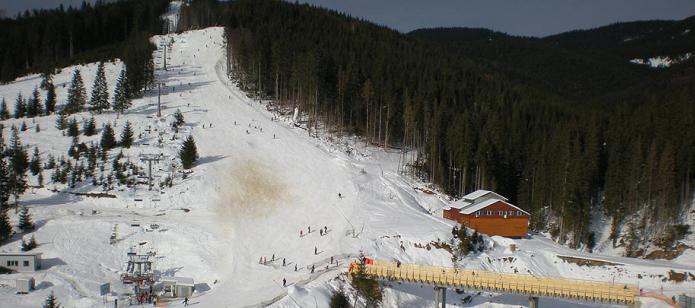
258	182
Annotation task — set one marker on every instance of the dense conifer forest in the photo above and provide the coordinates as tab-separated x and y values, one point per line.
44	40
564	131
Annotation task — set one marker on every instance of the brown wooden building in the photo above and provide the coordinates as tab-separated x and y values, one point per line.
489	213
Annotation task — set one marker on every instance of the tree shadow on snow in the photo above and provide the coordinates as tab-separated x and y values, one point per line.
202	287
170	272
209	159
51	262
44	285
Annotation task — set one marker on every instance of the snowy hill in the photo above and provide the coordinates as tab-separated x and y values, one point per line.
258	182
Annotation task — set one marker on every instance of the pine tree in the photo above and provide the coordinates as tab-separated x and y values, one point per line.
34	106
126	136
20	107
339	300
77	95
4	113
46	80
19	163
188	153
31	244
51	162
178	118
73	129
62	121
121	100
35	164
23	127
100	94
51	302
25	221
50	103
38	128
108	138
5	226
4	175
90	127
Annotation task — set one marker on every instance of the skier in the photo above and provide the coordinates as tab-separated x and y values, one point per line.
340	196
331	259
321	232
309	228
284	282
272	259
325	230
316	250
301	233
185	301
295	267
283	261
312	268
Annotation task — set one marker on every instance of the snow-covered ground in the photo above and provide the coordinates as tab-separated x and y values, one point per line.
259	181
662	62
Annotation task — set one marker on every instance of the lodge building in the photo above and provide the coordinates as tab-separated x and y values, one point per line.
489	213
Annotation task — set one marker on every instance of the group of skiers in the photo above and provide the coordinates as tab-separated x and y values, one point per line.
322	231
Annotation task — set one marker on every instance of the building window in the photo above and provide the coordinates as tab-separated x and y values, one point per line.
518	213
25	263
477	213
488	213
500	213
12	263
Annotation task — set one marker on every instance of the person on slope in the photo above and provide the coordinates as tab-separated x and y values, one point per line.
185	301
284	282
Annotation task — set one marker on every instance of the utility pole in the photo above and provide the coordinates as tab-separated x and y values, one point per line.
149	158
159	99
165	56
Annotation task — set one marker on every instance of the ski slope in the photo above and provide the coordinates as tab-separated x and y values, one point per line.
258	182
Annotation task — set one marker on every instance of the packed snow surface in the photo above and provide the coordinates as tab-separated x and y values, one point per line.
258	183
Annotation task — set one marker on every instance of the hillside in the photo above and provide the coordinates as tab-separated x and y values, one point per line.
249	196
307	120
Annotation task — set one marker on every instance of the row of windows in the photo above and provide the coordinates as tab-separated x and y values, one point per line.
16	263
499	213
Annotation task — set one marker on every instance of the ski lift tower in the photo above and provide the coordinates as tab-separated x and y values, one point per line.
140	273
139	269
150	158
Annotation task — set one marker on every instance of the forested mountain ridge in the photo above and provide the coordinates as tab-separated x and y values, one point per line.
583	65
475	125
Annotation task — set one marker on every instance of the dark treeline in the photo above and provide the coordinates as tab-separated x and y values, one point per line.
472	126
43	40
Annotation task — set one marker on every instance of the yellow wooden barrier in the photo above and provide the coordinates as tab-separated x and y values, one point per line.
503	282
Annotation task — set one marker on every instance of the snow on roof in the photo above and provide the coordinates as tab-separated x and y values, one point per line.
459	204
479	206
480	193
180	281
12	254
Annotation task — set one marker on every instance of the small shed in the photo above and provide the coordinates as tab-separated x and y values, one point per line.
177	287
25	285
21	261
